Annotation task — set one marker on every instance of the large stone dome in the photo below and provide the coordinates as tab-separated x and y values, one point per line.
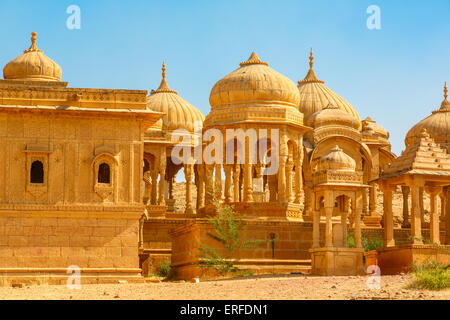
315	95
33	65
254	83
437	125
179	114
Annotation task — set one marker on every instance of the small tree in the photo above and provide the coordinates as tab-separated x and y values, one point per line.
228	228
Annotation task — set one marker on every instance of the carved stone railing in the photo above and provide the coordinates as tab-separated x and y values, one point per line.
331	176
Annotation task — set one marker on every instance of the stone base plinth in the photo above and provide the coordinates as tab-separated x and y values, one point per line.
44	245
156	211
372	221
398	259
170	205
60	276
281	247
267	210
337	261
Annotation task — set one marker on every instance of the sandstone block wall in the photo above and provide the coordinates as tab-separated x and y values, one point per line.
61	242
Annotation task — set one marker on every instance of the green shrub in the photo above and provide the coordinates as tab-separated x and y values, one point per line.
431	276
228	230
164	269
368	243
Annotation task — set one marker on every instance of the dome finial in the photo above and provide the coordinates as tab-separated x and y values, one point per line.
254	59
445	105
310	76
164	86
445	91
164	70
33	46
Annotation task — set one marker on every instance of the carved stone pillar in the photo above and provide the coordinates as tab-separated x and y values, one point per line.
316	229
272	188
248	184
308	201
357	212
447	215
328	227
299	177
236	176
442	198
422	210
434	216
218	182
162	179
373	210
148	187
228	196
201	186
154	182
405	192
189	174
141	232
344	227
388	217
290	196
365	203
416	227
209	185
282	180
171	183
357	219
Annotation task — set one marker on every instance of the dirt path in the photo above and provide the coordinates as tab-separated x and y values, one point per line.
290	287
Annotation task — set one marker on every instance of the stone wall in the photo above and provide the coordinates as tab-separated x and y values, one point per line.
30	246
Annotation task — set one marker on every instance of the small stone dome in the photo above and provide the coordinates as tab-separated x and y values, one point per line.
333	116
254	83
316	96
179	114
437	125
33	64
373	128
337	160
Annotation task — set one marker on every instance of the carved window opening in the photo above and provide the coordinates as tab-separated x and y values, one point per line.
37	172
104	173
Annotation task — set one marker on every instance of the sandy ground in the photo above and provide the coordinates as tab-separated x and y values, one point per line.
273	287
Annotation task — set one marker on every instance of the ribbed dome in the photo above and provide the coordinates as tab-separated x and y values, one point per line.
254	83
337	160
315	96
179	114
332	116
437	125
33	64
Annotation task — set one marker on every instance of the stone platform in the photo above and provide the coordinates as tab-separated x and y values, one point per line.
282	247
337	261
59	276
398	259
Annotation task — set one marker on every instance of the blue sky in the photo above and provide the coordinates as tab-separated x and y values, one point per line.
395	75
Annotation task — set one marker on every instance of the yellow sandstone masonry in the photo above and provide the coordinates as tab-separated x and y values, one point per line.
88	176
70	184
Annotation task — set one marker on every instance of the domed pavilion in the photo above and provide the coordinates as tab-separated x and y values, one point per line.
337	176
252	107
178	126
334	121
